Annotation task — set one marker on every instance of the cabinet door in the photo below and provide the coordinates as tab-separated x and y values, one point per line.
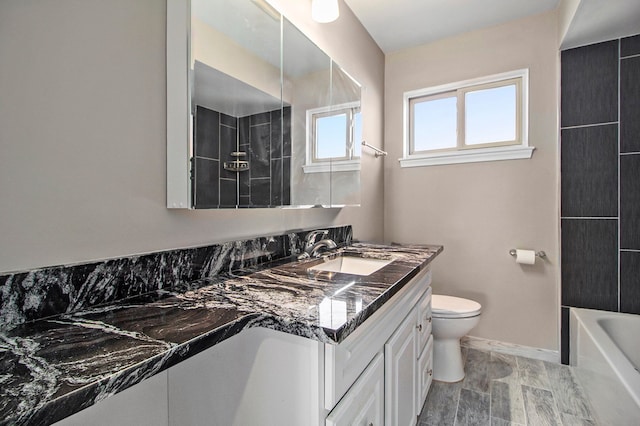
363	404
400	356
424	320
425	375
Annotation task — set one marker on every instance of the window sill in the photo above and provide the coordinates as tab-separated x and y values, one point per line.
468	156
336	166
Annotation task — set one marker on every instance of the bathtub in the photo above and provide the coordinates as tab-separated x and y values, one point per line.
605	349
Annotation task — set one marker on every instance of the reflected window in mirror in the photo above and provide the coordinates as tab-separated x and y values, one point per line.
333	138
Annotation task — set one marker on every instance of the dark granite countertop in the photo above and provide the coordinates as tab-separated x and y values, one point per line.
61	365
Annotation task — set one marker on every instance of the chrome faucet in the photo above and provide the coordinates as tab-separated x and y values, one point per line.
313	248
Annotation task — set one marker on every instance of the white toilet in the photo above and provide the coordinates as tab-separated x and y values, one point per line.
453	317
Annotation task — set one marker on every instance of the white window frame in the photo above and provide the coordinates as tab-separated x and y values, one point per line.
470	154
313	165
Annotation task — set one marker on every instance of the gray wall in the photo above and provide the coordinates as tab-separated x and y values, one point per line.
82	134
480	211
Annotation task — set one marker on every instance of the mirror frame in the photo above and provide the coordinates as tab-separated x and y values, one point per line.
178	104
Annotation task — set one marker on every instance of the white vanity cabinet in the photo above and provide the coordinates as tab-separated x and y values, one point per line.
377	376
408	363
401	373
346	361
401	329
424	350
363	405
425	375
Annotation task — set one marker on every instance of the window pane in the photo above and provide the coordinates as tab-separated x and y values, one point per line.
331	136
434	124
490	115
357	134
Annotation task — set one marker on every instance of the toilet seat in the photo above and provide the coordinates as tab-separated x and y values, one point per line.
454	307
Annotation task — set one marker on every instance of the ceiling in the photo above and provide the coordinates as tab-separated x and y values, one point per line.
600	20
400	24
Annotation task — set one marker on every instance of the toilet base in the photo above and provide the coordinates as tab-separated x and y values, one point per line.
447	360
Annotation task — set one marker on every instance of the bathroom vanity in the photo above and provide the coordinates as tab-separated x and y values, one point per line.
288	342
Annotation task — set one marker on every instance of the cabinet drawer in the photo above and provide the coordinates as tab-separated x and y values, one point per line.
424	320
346	361
425	374
364	403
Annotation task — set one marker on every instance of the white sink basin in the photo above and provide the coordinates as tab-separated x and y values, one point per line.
352	265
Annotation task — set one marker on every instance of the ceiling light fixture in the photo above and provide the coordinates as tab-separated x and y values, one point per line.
324	11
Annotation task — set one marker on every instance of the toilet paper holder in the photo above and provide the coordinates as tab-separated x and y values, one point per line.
539	254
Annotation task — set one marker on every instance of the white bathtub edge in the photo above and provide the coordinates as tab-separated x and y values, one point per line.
609	379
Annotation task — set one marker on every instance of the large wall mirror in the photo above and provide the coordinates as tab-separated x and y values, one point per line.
270	121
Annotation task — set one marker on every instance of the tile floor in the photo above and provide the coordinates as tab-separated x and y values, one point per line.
502	390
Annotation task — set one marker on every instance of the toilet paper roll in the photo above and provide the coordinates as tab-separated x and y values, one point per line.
526	257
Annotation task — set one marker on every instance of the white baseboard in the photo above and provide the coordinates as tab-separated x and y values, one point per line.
510	349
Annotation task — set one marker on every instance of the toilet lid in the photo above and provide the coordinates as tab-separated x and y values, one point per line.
454	307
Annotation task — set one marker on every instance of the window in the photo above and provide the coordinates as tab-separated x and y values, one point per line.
333	138
476	120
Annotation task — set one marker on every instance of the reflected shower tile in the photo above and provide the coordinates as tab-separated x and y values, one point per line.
473	408
206	190
286	132
260	151
206	129
533	373
276	182
228	193
286	181
539	406
276	134
569	395
260	192
507	402
440	406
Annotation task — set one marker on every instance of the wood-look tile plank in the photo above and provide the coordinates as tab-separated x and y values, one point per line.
473	408
532	373
499	422
507	402
569	420
540	407
477	371
569	396
503	367
441	404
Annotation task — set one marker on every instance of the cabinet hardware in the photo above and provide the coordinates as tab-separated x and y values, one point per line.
429	319
430	371
419	327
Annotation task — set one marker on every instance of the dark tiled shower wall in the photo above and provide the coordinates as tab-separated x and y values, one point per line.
267	144
215	138
600	178
266	138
